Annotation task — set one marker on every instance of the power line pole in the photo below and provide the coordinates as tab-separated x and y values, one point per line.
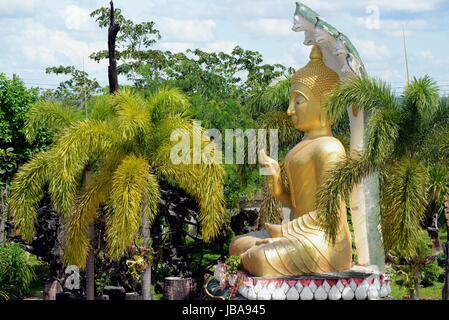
405	52
84	89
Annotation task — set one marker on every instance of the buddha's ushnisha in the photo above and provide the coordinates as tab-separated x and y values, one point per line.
300	246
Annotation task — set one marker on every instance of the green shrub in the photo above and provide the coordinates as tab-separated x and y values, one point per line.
15	273
430	274
440	259
235	264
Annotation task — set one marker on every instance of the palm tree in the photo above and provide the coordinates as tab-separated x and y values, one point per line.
112	160
396	133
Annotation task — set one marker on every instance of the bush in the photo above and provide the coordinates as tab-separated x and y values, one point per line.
430	274
440	259
15	273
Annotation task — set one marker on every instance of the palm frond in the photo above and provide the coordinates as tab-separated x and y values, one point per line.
101	108
84	211
383	131
272	98
202	181
82	215
129	185
27	190
441	115
335	186
49	115
439	184
150	198
165	128
132	116
287	133
364	93
270	209
403	204
76	146
166	101
420	97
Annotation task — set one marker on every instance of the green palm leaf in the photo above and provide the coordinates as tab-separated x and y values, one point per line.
129	184
48	115
403	202
27	190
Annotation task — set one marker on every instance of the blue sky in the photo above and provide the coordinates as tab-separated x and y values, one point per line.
35	34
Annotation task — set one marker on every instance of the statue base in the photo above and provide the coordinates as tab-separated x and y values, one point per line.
358	283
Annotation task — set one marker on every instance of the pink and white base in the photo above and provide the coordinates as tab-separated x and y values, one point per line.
359	283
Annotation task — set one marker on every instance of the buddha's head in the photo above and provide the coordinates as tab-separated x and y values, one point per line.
310	86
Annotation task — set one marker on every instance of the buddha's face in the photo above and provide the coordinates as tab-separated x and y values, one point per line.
305	109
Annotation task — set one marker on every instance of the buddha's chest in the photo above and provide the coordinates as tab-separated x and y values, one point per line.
301	169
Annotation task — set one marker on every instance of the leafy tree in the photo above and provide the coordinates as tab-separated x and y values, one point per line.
112	160
75	90
133	41
396	131
15	101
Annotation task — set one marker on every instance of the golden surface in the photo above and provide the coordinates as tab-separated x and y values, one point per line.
299	246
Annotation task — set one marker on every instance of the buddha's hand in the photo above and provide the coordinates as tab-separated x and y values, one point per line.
272	165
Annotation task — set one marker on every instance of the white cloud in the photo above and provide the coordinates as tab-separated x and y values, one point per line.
296	56
371	51
18	8
395	27
382	5
176	46
223	46
425	55
403	5
75	18
176	30
269	27
391	75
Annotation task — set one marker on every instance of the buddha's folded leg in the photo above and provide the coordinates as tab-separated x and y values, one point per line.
255	262
241	244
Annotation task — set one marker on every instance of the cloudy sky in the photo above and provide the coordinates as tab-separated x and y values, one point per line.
35	34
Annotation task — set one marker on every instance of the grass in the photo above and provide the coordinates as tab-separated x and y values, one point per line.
397	291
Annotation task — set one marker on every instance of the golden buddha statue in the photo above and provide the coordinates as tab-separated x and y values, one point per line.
300	246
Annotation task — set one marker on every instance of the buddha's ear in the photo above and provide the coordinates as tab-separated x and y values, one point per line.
323	117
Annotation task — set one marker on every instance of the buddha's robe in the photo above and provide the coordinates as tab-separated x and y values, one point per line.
303	247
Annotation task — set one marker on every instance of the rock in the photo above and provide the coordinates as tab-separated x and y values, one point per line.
115	293
67	296
133	296
51	289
